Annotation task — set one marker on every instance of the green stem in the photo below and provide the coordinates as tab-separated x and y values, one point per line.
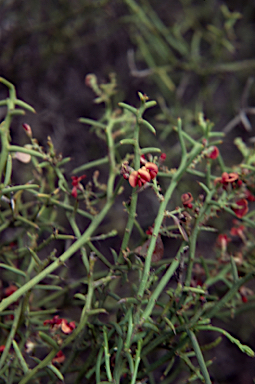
228	296
137	361
199	356
4	132
162	283
107	355
83	321
32	152
134	196
112	163
193	238
8	343
61	260
186	160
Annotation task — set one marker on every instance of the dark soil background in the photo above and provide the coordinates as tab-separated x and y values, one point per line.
47	48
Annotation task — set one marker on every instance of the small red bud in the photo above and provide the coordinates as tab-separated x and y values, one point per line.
214	153
162	157
27	129
187	198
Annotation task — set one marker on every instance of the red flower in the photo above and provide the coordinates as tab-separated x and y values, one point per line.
2	347
242	208
140	177
187	198
226	178
59	358
214	153
152	168
67	327
56	323
76	185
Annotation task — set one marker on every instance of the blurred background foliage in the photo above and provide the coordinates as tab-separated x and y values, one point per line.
189	55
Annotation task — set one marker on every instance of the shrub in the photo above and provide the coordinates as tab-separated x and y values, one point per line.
134	314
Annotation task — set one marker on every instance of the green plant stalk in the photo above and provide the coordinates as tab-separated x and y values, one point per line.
234	269
243	348
31	374
4	357
208	174
193	238
134	197
130	362
13	269
77	233
192	368
61	260
26	221
18	188
112	163
86	312
32	152
56	372
8	170
5	125
83	321
91	164
107	356
4	133
100	255
98	365
137	361
228	296
129	329
63	205
162	283
118	361
186	160
199	356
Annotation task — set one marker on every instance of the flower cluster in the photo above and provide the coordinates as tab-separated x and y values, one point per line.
228	178
56	323
143	175
240	207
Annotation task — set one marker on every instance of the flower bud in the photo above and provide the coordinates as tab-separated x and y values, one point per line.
28	130
187	198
